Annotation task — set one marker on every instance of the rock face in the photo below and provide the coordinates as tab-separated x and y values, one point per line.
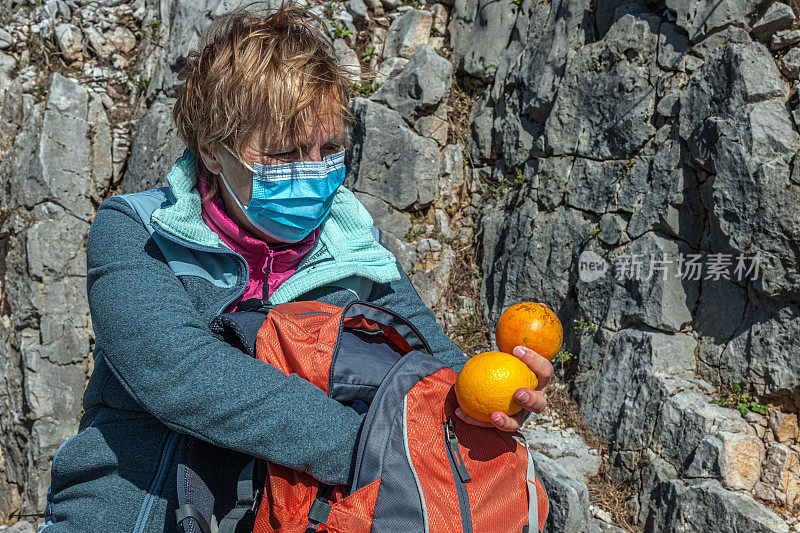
418	92
663	155
48	201
389	160
633	165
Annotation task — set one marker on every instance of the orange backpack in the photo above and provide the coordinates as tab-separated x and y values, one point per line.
418	467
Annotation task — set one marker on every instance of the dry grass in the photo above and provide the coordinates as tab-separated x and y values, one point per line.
460	103
470	332
603	491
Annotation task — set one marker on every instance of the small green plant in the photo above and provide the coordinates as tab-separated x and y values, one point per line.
328	6
519	177
141	84
564	356
585	326
626	166
517	2
90	133
741	401
594	230
366	57
339	30
155	23
365	89
40	89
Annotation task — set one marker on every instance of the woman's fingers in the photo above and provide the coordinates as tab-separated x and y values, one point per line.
499	420
469	420
531	400
541	366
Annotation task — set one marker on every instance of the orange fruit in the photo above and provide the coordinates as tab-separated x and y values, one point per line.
488	381
531	325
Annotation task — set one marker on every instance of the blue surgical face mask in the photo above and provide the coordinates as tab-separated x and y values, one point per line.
290	200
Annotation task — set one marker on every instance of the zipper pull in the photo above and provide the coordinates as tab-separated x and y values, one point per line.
452	445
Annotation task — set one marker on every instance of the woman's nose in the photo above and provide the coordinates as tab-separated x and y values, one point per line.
314	154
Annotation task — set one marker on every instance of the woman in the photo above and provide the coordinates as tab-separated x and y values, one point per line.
254	209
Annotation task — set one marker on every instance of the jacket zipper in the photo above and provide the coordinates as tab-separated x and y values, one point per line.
164	233
460	475
147	503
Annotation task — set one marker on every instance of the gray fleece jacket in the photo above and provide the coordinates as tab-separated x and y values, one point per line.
157	277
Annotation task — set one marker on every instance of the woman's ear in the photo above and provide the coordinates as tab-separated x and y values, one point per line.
210	159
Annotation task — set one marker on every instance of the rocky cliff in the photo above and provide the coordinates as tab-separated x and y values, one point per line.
630	164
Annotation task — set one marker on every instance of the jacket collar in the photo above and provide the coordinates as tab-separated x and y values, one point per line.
346	245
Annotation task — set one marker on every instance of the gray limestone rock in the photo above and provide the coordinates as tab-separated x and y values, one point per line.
780	481
390	161
607	13
70	40
527	253
704	505
451	177
6	39
623	394
69	177
154	148
348	60
7	67
543	61
481	143
700	18
514	134
672	46
670	201
733	76
358	10
432	282
389	68
569	497
730	35
20	527
783	39
648	268
790	63
46	338
569	451
762	352
607	97
778	17
407	33
752	159
479	34
420	88
386	218
345	27
440	18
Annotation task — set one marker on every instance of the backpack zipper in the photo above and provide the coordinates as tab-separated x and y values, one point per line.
460	475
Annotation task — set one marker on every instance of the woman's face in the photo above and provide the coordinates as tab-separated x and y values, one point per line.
327	138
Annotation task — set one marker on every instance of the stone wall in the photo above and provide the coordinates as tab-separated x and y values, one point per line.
637	138
642	138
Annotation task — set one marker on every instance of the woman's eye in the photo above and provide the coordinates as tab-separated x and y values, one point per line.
286	155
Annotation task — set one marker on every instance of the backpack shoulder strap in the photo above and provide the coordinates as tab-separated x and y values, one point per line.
207	476
248	497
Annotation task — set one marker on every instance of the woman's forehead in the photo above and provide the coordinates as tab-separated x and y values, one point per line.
320	129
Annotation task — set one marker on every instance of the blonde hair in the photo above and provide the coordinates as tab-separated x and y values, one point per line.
275	74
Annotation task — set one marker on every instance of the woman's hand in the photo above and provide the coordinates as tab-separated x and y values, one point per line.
531	400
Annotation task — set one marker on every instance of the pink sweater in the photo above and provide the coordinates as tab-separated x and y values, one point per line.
273	263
